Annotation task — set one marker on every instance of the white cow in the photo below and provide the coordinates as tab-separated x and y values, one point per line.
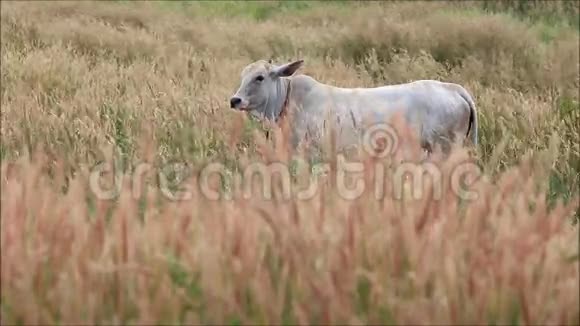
439	112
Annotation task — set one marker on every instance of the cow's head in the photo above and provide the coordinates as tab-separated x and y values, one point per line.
260	86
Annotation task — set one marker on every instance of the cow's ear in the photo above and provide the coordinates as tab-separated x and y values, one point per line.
288	69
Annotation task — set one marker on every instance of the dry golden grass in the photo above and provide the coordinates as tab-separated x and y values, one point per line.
154	80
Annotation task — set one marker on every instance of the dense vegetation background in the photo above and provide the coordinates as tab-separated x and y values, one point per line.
154	78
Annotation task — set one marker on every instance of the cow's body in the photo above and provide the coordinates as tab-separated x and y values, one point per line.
438	112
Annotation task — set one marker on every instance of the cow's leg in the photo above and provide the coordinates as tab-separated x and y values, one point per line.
427	148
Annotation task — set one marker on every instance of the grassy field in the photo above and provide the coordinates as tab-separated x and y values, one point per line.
142	85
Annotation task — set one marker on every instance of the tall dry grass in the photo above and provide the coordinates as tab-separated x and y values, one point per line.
154	80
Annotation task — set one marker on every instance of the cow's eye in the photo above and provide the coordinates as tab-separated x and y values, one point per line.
260	78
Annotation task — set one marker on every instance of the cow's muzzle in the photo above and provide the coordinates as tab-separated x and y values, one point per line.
238	103
235	102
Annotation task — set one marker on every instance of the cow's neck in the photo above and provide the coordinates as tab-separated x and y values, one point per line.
277	105
286	83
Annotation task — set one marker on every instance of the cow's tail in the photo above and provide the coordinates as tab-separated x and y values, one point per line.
473	127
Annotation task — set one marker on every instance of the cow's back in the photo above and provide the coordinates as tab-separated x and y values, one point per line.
432	108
